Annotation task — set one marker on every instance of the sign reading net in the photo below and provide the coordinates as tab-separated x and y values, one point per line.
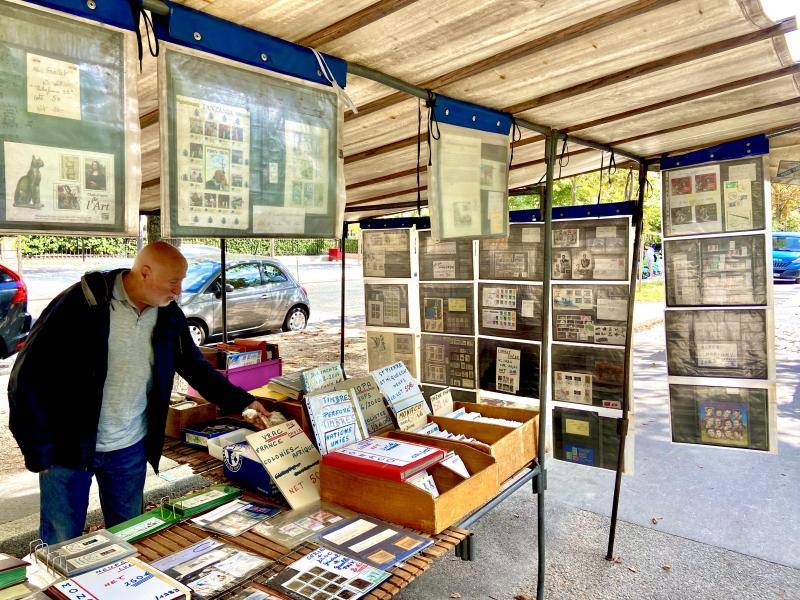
247	154
68	124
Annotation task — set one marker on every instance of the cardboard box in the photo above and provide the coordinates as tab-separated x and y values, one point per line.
242	466
289	408
408	505
512	448
177	420
195	436
216	444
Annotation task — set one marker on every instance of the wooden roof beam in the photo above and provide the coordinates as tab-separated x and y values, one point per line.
537	45
362	18
681	58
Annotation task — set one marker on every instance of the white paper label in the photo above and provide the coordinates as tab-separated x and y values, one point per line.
54	87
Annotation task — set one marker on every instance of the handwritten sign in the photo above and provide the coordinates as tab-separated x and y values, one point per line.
413	416
370	400
54	87
507	370
323	377
442	402
291	461
395	382
336	419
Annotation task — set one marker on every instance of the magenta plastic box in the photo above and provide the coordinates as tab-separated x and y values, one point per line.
250	377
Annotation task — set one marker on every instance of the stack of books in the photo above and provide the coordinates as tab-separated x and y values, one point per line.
198	502
290	385
12	571
385	457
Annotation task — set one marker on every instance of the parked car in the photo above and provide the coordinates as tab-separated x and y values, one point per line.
786	255
261	295
15	321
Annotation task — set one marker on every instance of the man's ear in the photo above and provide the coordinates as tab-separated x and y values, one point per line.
146	271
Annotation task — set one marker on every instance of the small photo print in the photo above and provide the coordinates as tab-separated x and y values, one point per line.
196	200
705	182
210	200
306	169
462	215
681	215
703	213
69	167
224	131
223	201
196	126
68	197
680	186
94	174
211	129
724	423
236	180
195	150
236	157
196	175
237	134
487	175
236	202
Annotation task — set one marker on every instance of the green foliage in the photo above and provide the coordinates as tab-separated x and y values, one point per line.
37	245
785	207
620	186
650	290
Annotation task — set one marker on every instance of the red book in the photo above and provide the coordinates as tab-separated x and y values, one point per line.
385	457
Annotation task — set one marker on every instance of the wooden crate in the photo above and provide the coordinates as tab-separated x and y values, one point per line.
512	448
407	505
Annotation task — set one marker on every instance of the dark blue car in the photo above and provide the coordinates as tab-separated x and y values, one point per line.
786	255
15	322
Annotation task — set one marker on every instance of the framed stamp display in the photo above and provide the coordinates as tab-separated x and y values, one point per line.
448	360
386	304
442	261
585	438
447	308
510	310
509	367
594	314
595	249
69	125
588	375
387	253
520	256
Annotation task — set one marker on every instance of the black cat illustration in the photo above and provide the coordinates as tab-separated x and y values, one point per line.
27	192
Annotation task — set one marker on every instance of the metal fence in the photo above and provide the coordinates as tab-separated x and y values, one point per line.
41	247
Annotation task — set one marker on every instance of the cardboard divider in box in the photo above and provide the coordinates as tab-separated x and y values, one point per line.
405	504
289	408
178	419
513	448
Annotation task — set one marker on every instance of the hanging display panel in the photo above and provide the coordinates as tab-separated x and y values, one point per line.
447	308
246	153
509	367
386	348
723	271
594	314
588	375
448	361
591	249
585	438
468	183
714	197
717	343
386	304
387	253
510	310
721	416
519	256
69	125
444	260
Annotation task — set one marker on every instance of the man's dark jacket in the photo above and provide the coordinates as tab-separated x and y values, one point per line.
56	386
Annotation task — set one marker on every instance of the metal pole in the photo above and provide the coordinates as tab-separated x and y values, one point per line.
341	338
622	426
551	149
157	7
224	291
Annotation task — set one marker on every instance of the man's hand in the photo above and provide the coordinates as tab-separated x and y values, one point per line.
257	406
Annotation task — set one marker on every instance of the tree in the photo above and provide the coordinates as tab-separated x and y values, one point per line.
785	207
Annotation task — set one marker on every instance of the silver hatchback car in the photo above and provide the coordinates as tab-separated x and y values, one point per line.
261	295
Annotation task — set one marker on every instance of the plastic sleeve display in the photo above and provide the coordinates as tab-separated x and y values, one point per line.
585	438
520	256
247	153
595	249
69	125
468	183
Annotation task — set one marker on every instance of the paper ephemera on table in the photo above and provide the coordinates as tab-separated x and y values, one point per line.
74	187
693	200
212	164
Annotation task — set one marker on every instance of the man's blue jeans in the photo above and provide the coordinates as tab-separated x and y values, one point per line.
65	492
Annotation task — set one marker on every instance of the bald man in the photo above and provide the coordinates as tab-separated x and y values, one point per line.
89	391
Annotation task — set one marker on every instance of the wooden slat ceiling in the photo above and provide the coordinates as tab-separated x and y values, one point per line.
647	76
